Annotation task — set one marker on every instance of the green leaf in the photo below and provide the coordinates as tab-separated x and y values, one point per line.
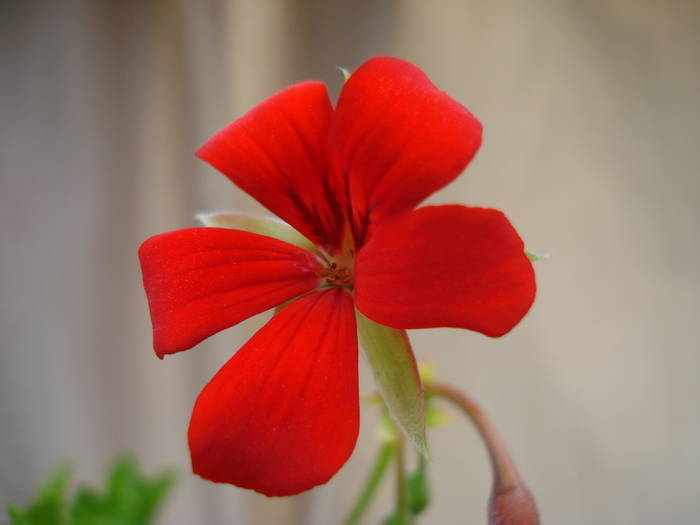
538	256
394	367
129	498
268	226
49	508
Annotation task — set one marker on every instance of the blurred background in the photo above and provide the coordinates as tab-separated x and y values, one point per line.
591	147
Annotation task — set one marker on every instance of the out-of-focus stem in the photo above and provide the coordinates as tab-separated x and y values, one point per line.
511	502
504	471
403	515
379	468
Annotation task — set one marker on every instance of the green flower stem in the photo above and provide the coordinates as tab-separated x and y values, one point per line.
379	468
403	514
505	474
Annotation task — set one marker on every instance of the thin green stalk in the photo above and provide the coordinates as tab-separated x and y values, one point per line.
375	476
403	514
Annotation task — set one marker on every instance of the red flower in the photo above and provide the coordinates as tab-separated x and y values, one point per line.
282	415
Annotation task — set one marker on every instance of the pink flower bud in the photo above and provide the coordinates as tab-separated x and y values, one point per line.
513	506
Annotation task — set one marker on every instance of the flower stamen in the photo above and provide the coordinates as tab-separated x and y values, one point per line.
337	275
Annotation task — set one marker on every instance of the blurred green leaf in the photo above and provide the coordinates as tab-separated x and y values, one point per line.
391	520
129	498
49	507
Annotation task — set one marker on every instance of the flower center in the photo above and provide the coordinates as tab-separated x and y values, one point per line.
338	270
337	274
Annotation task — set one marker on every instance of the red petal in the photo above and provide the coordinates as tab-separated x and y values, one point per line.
277	153
282	415
202	280
446	266
397	138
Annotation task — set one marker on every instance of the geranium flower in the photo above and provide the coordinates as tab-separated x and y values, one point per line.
282	415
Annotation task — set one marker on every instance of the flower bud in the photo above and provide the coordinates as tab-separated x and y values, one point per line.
510	503
513	506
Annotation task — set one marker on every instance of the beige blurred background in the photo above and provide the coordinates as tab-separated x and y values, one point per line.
591	146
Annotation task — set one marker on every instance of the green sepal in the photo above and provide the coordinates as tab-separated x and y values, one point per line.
345	72
395	371
533	256
268	226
